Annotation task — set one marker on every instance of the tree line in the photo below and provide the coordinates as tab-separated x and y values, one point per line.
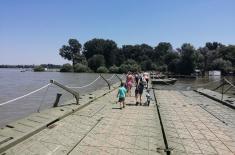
100	55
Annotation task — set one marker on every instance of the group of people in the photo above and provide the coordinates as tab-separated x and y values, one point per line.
137	79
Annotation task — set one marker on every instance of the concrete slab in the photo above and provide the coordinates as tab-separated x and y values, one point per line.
225	99
191	128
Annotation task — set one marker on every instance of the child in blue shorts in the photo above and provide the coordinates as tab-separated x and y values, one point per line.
121	95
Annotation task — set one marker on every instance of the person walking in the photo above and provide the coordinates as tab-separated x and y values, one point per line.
139	90
121	95
129	83
136	78
146	77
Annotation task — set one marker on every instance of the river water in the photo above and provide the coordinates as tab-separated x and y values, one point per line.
14	83
208	82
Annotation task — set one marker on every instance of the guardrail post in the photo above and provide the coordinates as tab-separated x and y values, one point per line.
222	90
57	100
105	81
74	93
118	77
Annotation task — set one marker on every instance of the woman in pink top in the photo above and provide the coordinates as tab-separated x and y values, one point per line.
129	83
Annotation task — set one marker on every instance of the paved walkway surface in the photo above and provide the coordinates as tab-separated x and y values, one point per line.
195	124
21	129
99	128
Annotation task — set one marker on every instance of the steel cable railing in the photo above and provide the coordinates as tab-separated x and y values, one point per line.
18	98
79	87
109	79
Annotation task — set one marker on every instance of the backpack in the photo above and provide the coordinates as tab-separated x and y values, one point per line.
141	84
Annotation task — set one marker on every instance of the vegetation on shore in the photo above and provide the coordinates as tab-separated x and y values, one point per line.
39	69
100	55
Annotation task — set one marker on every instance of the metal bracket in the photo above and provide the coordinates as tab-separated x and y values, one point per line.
76	95
105	81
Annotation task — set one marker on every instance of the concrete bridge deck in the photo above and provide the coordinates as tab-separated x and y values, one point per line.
193	124
99	128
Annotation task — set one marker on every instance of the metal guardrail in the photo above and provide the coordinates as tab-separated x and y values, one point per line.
76	94
224	82
118	77
106	81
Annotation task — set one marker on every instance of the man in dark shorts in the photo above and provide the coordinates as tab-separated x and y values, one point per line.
139	90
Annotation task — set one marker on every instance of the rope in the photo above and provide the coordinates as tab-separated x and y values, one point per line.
122	76
42	101
86	85
109	79
18	98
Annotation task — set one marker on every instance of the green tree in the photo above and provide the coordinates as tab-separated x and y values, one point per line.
66	68
170	56
146	65
139	53
39	69
114	69
161	50
71	52
173	66
204	51
171	59
107	48
199	62
96	61
228	53
220	64
187	60
213	45
129	65
81	59
120	57
81	68
102	69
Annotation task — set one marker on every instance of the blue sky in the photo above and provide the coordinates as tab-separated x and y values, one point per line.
31	32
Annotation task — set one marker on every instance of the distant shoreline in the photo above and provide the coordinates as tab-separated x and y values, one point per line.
50	66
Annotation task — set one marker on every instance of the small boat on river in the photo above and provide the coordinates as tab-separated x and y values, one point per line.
164	81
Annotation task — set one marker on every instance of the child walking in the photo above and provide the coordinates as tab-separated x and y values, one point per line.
121	95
